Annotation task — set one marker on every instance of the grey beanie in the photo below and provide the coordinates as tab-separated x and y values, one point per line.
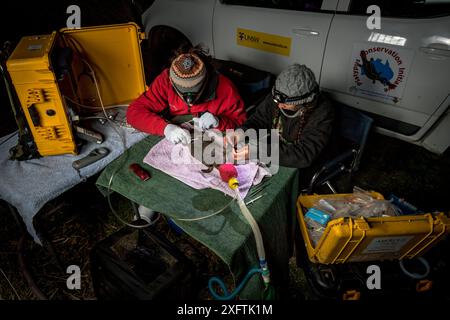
295	81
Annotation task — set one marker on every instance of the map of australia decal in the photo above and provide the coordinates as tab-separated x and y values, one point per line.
379	72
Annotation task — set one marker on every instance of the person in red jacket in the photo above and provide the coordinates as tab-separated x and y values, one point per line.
190	86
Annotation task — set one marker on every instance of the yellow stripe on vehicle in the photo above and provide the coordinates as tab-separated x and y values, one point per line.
264	41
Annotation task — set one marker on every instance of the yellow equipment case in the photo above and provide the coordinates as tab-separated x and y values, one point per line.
52	78
371	239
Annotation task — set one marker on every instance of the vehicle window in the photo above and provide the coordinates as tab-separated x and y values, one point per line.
404	8
300	5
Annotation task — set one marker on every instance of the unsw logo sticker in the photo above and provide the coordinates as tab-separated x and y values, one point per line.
264	41
245	37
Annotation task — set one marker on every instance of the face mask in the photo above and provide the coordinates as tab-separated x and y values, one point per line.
189	98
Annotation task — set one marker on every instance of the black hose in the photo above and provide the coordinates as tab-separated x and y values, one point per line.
21	258
23	267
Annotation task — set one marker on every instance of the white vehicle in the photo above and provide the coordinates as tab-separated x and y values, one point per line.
399	74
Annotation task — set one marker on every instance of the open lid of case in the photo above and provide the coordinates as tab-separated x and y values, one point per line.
114	53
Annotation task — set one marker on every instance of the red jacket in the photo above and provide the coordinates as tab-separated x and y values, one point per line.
145	113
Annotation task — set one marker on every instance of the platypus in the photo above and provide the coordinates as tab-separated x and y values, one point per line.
217	139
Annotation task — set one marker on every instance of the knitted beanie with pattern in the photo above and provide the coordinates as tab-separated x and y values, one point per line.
188	72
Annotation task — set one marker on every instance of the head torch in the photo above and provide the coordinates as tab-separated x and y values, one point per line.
280	97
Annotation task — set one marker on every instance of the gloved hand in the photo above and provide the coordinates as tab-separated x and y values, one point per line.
206	121
241	154
176	134
236	139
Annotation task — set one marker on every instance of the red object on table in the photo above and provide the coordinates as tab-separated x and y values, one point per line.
140	172
227	171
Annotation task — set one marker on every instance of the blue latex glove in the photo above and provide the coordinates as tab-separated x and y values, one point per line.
176	134
206	121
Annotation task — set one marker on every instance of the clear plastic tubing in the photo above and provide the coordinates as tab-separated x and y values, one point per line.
253	224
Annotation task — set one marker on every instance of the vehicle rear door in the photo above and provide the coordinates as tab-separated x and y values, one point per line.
399	73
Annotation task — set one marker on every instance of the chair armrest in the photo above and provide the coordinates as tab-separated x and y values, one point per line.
328	168
338	159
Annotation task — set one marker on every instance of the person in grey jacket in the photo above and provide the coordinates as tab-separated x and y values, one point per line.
302	114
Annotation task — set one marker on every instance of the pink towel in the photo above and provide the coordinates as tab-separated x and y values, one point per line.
177	161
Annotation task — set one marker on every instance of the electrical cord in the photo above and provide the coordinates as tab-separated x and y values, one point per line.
208	216
219	211
94	118
416	276
92	107
99	118
9	138
124	159
21	257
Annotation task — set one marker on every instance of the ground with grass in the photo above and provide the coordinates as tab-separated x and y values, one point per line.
72	227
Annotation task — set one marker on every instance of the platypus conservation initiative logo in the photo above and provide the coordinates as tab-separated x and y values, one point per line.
379	66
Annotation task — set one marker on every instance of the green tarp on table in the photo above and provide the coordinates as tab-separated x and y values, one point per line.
227	234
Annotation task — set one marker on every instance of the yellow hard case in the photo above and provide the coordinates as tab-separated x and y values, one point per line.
372	239
112	51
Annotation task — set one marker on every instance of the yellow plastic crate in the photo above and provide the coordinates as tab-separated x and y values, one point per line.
371	239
